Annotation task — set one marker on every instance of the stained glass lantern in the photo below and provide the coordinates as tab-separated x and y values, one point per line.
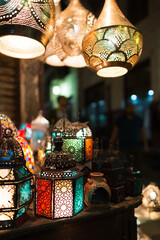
25	131
28	154
25	27
6	122
15	183
77	140
59	129
59	186
39	127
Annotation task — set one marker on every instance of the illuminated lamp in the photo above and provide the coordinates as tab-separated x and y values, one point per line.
72	25
59	186
28	154
15	183
6	122
151	197
25	27
39	127
77	140
114	45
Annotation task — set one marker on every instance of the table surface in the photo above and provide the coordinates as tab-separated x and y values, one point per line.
35	223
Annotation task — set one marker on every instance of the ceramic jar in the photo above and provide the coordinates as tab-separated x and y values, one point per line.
96	190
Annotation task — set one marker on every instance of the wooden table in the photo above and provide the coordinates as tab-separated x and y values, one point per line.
114	223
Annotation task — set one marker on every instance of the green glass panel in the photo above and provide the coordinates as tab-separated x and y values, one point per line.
74	147
78	198
25	192
22	172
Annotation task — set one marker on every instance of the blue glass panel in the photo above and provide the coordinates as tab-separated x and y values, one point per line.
78	198
25	192
22	210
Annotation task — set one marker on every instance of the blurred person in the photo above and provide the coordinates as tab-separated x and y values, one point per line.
130	132
62	110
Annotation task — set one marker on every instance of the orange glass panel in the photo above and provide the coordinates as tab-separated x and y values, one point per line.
88	149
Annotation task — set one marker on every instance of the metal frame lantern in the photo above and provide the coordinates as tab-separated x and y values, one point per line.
59	186
15	183
77	140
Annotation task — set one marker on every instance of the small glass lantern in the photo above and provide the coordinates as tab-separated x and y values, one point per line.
39	127
6	122
59	186
15	183
77	140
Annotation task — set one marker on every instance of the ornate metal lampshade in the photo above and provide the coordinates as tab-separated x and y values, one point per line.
113	45
77	140
25	27
15	182
54	54
72	25
59	186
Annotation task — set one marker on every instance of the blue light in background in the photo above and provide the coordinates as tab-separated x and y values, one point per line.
133	97
150	92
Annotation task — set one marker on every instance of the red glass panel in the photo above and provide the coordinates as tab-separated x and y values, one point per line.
44	197
88	149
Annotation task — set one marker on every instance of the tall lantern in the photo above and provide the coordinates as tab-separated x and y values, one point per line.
15	183
77	140
25	27
39	127
59	186
114	45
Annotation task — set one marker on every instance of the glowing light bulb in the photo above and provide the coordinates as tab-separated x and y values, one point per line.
133	97
56	90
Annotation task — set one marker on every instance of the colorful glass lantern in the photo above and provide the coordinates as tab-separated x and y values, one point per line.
114	45
15	182
151	197
28	154
59	186
77	140
25	27
39	127
25	131
6	122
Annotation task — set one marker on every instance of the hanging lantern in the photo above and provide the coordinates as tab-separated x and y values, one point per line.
5	122
59	187
113	45
25	27
54	54
15	182
39	127
27	152
77	140
72	25
151	197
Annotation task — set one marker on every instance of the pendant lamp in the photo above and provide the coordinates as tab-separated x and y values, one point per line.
72	25
54	54
25	27
114	45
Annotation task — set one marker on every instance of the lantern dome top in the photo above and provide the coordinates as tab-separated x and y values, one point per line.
40	121
78	129
11	152
59	159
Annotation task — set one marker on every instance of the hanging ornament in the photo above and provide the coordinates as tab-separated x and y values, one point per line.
113	45
25	27
54	54
72	25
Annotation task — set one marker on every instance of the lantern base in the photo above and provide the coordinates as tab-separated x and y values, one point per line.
21	42
14	223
